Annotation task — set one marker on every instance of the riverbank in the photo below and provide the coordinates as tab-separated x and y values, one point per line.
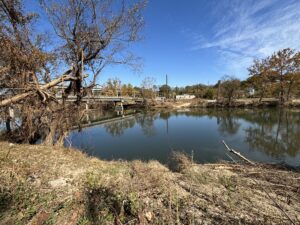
52	185
205	103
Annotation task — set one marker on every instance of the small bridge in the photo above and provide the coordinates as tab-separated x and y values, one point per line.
115	99
119	101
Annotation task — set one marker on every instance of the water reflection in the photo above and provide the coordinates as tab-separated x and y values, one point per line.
228	122
146	121
275	133
269	135
117	128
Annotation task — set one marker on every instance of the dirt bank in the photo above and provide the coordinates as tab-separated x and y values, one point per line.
204	103
44	185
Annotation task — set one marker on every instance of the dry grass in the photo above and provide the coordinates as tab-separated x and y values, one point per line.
42	185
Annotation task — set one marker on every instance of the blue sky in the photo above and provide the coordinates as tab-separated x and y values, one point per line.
199	41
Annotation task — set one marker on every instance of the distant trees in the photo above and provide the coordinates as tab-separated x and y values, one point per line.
127	90
230	88
209	93
148	87
259	74
198	90
282	65
112	87
276	76
277	72
165	91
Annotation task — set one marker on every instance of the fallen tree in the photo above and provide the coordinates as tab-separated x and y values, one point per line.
92	35
47	86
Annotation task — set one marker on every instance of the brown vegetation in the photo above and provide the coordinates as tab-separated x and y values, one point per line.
49	185
92	34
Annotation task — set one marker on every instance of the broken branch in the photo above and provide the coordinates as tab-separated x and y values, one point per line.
22	96
237	154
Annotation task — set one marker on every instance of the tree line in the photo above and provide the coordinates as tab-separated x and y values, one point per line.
276	76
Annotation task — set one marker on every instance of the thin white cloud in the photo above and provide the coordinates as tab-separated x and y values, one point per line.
251	29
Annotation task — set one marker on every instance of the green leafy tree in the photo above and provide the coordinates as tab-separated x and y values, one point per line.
209	93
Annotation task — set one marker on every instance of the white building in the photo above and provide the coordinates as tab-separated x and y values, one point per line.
251	91
185	97
162	99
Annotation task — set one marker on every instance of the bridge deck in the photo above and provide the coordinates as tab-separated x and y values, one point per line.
104	99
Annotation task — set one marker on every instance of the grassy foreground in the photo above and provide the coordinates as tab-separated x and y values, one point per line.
44	185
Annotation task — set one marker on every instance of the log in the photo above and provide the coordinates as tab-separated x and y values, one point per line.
49	85
237	154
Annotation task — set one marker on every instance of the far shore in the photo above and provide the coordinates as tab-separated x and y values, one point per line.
242	102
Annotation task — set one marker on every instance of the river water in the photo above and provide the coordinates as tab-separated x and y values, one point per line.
262	135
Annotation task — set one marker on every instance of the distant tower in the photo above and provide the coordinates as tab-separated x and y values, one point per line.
167	94
167	79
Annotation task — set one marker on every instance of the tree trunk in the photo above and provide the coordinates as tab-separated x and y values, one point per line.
260	99
289	91
8	127
229	100
281	90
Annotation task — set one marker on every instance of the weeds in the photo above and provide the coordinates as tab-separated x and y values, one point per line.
100	192
228	182
83	221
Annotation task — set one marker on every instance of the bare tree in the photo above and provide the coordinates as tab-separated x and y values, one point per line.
282	64
94	34
259	74
281	70
292	79
147	87
230	86
113	87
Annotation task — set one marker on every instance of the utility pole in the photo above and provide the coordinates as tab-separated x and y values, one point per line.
218	93
167	86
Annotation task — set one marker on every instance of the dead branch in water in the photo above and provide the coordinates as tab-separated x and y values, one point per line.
237	154
267	192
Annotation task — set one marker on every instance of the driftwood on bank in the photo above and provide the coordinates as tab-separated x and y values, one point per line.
237	154
284	211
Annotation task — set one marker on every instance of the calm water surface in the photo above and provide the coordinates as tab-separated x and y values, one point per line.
264	135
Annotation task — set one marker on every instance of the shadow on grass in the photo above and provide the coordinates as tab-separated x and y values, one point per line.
5	201
105	206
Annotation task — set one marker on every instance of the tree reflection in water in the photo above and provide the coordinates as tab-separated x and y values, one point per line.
228	122
275	132
117	128
146	121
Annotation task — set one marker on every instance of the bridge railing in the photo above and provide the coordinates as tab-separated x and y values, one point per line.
104	98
